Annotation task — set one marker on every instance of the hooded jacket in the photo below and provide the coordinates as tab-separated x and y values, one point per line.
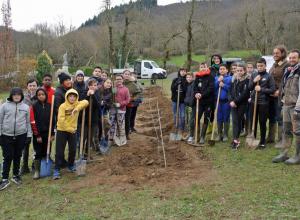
65	120
40	117
227	79
180	80
15	117
267	85
134	91
239	92
204	84
189	99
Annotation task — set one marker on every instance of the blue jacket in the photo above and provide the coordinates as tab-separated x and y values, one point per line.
226	88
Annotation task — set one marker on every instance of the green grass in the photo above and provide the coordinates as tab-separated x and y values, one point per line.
246	186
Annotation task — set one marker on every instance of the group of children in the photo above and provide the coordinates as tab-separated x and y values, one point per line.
26	117
235	88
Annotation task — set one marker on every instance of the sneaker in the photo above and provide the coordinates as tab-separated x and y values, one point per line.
261	146
235	145
56	174
133	130
190	139
17	180
4	184
72	168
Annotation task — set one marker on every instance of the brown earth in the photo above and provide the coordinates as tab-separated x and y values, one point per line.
140	163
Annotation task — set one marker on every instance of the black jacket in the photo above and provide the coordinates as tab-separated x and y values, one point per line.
204	84
267	85
96	108
59	95
189	99
174	89
107	97
239	92
81	88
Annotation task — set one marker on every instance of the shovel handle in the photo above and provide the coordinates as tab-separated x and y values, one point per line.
82	133
90	127
50	128
197	121
254	110
215	113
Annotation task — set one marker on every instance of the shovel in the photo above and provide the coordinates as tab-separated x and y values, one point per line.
104	148
81	163
212	141
195	144
176	136
251	141
90	128
46	164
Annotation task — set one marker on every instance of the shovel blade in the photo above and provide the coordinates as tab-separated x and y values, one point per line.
251	142
104	148
80	167
46	168
175	137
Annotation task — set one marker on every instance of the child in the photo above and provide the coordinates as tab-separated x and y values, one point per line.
204	92
118	110
264	84
93	94
47	86
40	121
223	80
15	129
97	73
66	130
238	98
189	102
29	99
179	82
134	91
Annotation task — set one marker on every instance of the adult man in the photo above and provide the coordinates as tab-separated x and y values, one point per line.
279	55
291	110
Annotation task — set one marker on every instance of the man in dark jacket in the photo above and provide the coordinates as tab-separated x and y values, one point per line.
204	91
279	55
262	83
291	110
179	85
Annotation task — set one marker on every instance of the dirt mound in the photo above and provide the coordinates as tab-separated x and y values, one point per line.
140	163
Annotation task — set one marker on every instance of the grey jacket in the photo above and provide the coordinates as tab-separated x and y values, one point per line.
15	119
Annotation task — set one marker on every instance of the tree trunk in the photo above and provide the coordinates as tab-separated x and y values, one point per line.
190	37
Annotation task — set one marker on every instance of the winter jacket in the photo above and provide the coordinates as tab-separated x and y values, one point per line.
15	119
134	91
107	98
189	99
40	118
267	85
204	84
291	80
65	120
122	97
96	107
50	93
81	88
59	99
225	89
214	68
239	92
98	79
277	71
29	99
174	88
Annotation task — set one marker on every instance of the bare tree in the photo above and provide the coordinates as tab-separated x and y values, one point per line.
108	18
190	35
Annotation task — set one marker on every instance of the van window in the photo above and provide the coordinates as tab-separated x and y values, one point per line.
148	65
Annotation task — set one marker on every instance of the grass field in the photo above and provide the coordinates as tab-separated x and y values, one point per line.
246	186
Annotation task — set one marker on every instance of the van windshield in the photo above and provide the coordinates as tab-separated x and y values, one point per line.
154	64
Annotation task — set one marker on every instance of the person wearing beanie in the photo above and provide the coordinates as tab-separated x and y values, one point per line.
47	86
263	83
15	129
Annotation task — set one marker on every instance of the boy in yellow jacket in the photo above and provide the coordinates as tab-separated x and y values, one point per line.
67	120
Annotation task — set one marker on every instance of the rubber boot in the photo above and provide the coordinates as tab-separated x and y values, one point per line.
279	133
284	145
272	132
226	130
203	133
220	131
37	166
296	158
25	168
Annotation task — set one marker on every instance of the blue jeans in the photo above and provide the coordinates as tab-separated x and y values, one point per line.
181	114
223	112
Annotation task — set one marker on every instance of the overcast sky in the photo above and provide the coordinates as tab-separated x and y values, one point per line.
26	13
